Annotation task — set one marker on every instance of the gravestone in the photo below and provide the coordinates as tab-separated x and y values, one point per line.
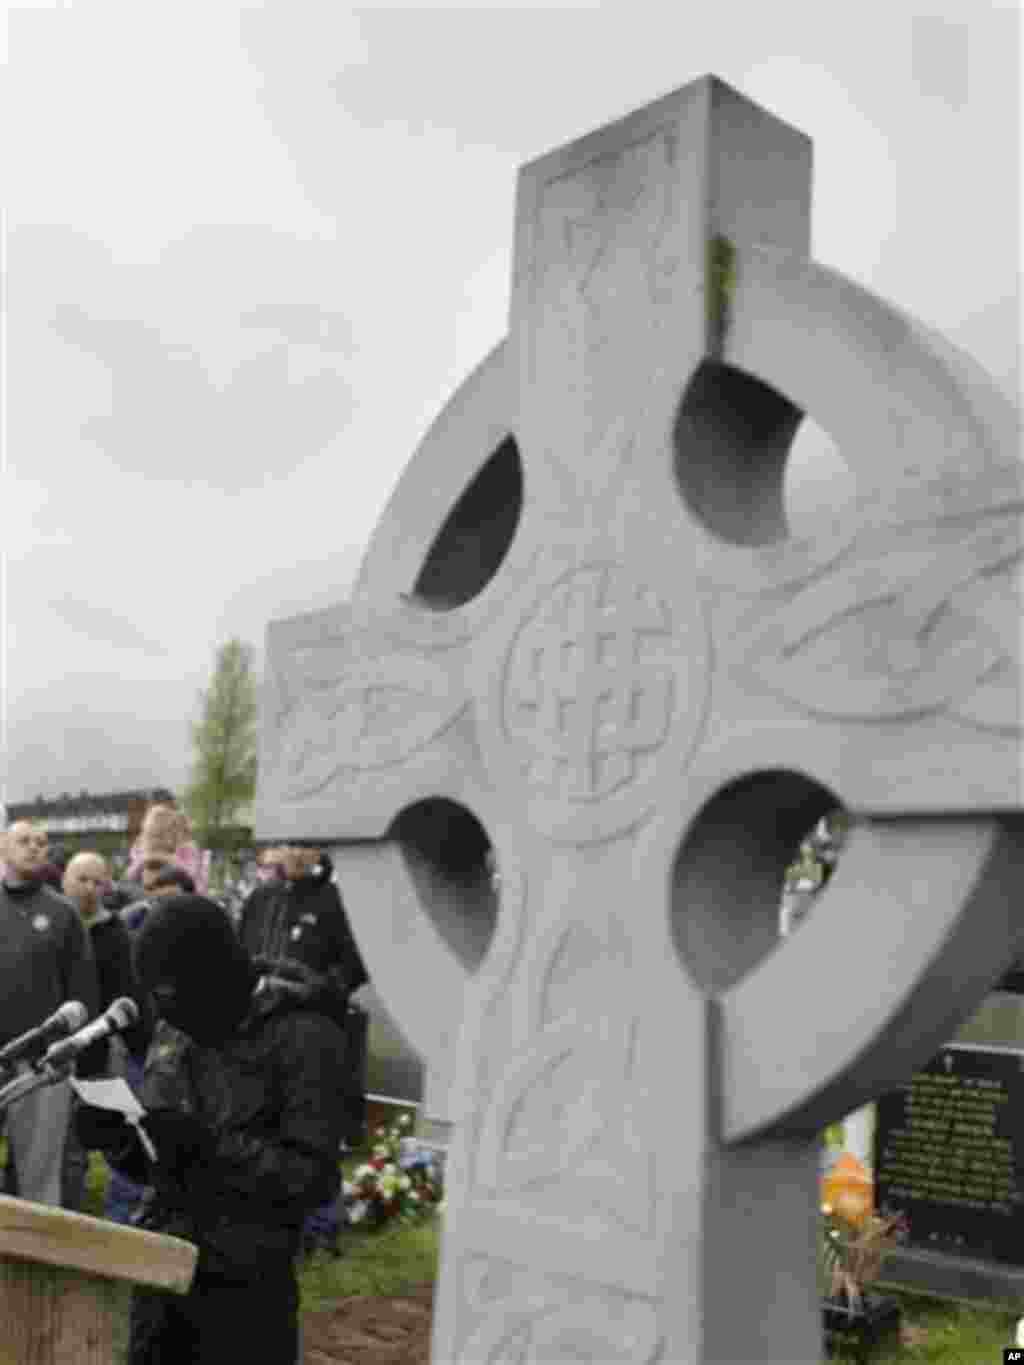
581	623
949	1153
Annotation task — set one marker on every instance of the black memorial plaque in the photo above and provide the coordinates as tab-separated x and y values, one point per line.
949	1153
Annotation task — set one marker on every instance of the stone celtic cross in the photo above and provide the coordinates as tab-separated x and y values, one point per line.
582	619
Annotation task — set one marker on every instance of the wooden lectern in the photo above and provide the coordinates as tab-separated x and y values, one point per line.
64	1281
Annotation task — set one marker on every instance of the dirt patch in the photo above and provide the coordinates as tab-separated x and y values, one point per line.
370	1331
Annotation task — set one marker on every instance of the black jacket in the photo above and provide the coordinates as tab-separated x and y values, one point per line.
112	951
305	922
271	1097
46	959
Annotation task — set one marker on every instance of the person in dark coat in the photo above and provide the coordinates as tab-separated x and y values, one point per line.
241	1099
299	918
85	878
294	926
46	961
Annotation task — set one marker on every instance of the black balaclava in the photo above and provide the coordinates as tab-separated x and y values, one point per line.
187	957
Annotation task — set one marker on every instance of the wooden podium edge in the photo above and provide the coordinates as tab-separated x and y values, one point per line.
75	1241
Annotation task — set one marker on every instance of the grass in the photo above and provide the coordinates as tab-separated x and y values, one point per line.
385	1263
945	1333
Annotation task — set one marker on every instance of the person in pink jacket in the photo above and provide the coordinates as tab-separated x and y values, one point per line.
166	832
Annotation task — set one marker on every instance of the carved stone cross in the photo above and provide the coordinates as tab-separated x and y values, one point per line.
583	620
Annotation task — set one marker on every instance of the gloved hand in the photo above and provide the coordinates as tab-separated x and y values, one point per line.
184	1146
106	1131
101	1129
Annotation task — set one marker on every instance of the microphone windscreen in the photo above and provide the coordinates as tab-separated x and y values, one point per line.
123	1012
74	1015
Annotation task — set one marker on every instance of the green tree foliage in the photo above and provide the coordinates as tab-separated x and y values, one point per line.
225	743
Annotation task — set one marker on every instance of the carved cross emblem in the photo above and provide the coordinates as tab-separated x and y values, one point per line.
646	691
584	695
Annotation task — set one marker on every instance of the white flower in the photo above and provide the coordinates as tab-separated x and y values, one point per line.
405	1120
404	1183
414	1197
357	1212
361	1172
1020	1332
390	1168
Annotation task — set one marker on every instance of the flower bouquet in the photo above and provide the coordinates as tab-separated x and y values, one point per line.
402	1180
855	1242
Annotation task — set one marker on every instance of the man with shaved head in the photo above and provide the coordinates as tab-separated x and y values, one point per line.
85	879
45	960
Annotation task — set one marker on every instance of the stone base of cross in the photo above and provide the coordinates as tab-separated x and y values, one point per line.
583	620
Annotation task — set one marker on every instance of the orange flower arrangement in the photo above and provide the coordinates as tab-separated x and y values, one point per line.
849	1190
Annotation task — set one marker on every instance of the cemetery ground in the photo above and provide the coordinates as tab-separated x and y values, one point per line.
374	1304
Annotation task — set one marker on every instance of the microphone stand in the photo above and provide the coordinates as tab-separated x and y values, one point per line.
28	1081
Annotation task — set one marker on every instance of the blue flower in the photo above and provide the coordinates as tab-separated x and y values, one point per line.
408	1160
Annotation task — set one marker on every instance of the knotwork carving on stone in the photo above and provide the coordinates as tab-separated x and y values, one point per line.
552	1083
361	715
585	698
893	630
592	229
563	1107
487	990
599	680
531	1319
595	227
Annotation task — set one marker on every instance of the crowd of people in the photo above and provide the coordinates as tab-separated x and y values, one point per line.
242	1055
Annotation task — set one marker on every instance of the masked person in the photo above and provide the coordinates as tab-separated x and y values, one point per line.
242	1107
159	879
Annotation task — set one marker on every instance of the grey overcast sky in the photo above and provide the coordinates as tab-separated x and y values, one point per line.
250	251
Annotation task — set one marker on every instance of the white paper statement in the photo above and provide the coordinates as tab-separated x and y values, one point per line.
114	1093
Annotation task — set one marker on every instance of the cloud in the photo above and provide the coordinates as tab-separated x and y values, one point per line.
52	751
27	508
302	323
169	418
940	59
114	139
103	626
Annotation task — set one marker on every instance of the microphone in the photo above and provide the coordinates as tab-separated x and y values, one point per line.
70	1017
114	1019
